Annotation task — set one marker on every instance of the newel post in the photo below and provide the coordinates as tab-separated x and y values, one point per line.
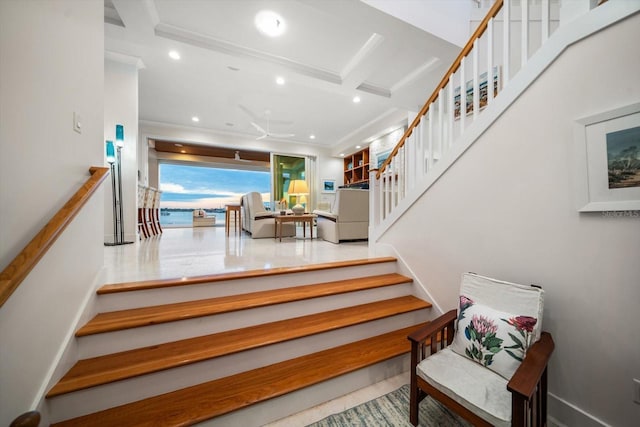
374	201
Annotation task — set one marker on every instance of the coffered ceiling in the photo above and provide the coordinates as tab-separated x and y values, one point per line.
330	52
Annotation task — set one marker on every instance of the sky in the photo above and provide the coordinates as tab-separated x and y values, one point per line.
196	187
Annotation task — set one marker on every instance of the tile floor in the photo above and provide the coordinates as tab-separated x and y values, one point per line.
188	252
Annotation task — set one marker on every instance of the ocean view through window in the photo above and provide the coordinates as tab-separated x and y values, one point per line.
186	189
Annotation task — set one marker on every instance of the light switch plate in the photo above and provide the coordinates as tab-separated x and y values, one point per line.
77	122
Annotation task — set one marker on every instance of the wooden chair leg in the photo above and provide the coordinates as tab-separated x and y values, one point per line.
543	398
414	394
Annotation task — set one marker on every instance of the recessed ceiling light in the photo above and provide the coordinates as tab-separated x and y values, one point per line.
280	80
358	146
270	23
183	151
178	145
341	154
195	119
174	55
356	99
312	137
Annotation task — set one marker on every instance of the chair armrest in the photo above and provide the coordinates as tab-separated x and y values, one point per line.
422	334
325	214
265	214
528	374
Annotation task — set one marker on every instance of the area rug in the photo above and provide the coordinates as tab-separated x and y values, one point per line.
392	410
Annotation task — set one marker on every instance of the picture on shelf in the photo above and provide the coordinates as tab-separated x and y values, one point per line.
623	158
482	86
328	186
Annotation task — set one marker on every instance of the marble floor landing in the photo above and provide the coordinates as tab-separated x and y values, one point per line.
188	252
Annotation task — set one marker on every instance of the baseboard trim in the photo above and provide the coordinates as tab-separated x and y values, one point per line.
564	414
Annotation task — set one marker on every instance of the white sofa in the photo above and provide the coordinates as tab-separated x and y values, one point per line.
258	221
201	219
348	218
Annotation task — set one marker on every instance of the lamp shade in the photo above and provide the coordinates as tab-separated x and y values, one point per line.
120	136
111	154
298	187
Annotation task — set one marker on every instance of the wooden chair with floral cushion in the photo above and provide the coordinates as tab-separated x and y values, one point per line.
487	360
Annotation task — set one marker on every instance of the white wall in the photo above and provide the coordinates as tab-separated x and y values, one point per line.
508	208
121	107
51	64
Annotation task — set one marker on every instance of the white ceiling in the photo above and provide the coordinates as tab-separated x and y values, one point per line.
331	51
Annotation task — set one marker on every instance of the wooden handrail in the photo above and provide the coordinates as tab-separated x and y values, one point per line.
497	6
23	263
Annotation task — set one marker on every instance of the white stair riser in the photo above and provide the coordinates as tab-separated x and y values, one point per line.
291	403
111	342
150	297
114	394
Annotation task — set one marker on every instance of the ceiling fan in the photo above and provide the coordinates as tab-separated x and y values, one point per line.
267	133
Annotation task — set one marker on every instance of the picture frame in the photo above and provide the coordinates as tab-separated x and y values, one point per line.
328	185
382	157
601	141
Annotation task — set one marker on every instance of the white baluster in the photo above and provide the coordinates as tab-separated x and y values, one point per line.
392	184
440	121
525	32
463	96
506	44
403	172
545	20
422	158
374	200
490	61
476	84
450	111
431	159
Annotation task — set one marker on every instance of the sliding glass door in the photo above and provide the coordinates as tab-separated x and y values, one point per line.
284	170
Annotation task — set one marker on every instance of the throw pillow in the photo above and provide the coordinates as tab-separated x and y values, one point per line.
492	338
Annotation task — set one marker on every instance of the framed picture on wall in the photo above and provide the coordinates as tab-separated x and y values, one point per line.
608	160
328	185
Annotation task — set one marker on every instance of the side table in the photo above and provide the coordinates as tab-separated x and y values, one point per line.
304	219
237	219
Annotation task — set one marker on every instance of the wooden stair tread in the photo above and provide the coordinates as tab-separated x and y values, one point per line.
204	401
163	283
132	318
113	367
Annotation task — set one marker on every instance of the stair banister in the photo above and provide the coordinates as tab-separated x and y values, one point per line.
495	9
23	263
447	117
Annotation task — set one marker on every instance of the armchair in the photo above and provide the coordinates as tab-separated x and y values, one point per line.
491	364
258	221
348	218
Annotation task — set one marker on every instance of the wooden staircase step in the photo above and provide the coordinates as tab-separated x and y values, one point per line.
113	367
132	318
205	401
164	283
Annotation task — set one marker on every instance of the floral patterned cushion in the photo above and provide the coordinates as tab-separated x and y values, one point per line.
494	339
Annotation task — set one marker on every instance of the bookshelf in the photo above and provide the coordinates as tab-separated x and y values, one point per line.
356	167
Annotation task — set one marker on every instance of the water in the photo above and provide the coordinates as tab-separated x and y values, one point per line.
185	219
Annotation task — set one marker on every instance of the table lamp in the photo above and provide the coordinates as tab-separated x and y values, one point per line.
298	188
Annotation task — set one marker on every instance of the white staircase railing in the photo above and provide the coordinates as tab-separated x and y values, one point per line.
511	32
